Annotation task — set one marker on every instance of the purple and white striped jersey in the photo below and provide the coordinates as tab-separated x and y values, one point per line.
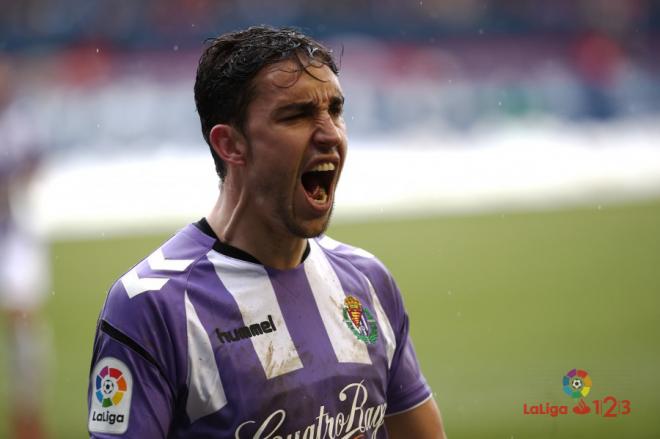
199	340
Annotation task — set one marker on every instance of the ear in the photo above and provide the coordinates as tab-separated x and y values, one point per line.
229	144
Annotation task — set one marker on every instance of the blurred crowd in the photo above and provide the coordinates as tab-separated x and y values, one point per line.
160	23
103	74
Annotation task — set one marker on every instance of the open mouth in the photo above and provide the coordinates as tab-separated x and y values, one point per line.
318	181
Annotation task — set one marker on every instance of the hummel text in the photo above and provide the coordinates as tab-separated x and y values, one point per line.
246	331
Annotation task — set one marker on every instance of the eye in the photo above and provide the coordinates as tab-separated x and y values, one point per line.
292	117
336	110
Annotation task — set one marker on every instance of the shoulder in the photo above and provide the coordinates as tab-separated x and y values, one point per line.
370	267
146	310
150	296
357	257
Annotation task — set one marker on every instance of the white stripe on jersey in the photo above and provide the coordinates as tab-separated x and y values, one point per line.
384	322
157	261
250	286
206	394
329	243
330	297
134	285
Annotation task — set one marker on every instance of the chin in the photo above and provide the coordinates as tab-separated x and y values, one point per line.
310	228
312	231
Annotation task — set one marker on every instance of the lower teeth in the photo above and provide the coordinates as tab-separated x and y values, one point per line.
322	196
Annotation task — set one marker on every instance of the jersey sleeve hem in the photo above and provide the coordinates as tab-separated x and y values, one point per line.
414	406
409	400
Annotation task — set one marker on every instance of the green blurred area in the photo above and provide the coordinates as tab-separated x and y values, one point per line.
502	306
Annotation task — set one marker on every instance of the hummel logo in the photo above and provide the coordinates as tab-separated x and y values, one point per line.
246	331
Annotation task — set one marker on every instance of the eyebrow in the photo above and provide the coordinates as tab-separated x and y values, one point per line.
305	107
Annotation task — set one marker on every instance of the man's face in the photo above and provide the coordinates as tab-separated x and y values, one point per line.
296	147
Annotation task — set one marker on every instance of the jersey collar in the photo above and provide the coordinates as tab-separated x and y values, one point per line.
231	251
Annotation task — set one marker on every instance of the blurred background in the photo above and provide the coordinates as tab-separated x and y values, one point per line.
504	163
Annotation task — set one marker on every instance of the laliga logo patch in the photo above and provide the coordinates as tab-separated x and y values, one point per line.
110	386
360	321
111	399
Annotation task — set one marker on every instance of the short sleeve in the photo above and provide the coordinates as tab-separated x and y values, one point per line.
128	396
407	387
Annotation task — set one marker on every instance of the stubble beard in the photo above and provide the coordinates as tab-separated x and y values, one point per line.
285	212
298	228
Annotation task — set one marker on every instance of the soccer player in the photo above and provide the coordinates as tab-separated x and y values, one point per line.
24	270
250	323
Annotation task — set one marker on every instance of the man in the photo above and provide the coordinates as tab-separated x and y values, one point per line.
246	324
24	270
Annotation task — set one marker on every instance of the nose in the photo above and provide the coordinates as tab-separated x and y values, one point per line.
328	132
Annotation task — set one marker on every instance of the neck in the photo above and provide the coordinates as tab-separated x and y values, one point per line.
233	224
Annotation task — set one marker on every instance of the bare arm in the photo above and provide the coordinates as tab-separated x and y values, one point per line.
422	422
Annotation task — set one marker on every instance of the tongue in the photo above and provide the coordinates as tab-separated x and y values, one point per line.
315	192
313	184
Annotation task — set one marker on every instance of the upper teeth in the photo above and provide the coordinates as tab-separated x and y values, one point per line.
327	166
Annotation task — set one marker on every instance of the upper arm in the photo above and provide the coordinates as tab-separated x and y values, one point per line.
421	422
128	395
132	385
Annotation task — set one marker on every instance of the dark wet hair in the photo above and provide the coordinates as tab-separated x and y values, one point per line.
224	84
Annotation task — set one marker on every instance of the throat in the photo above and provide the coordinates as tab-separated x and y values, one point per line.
284	255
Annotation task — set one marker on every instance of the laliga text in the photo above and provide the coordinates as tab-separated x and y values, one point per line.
607	407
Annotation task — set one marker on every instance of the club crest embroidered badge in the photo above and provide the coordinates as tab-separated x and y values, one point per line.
360	320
